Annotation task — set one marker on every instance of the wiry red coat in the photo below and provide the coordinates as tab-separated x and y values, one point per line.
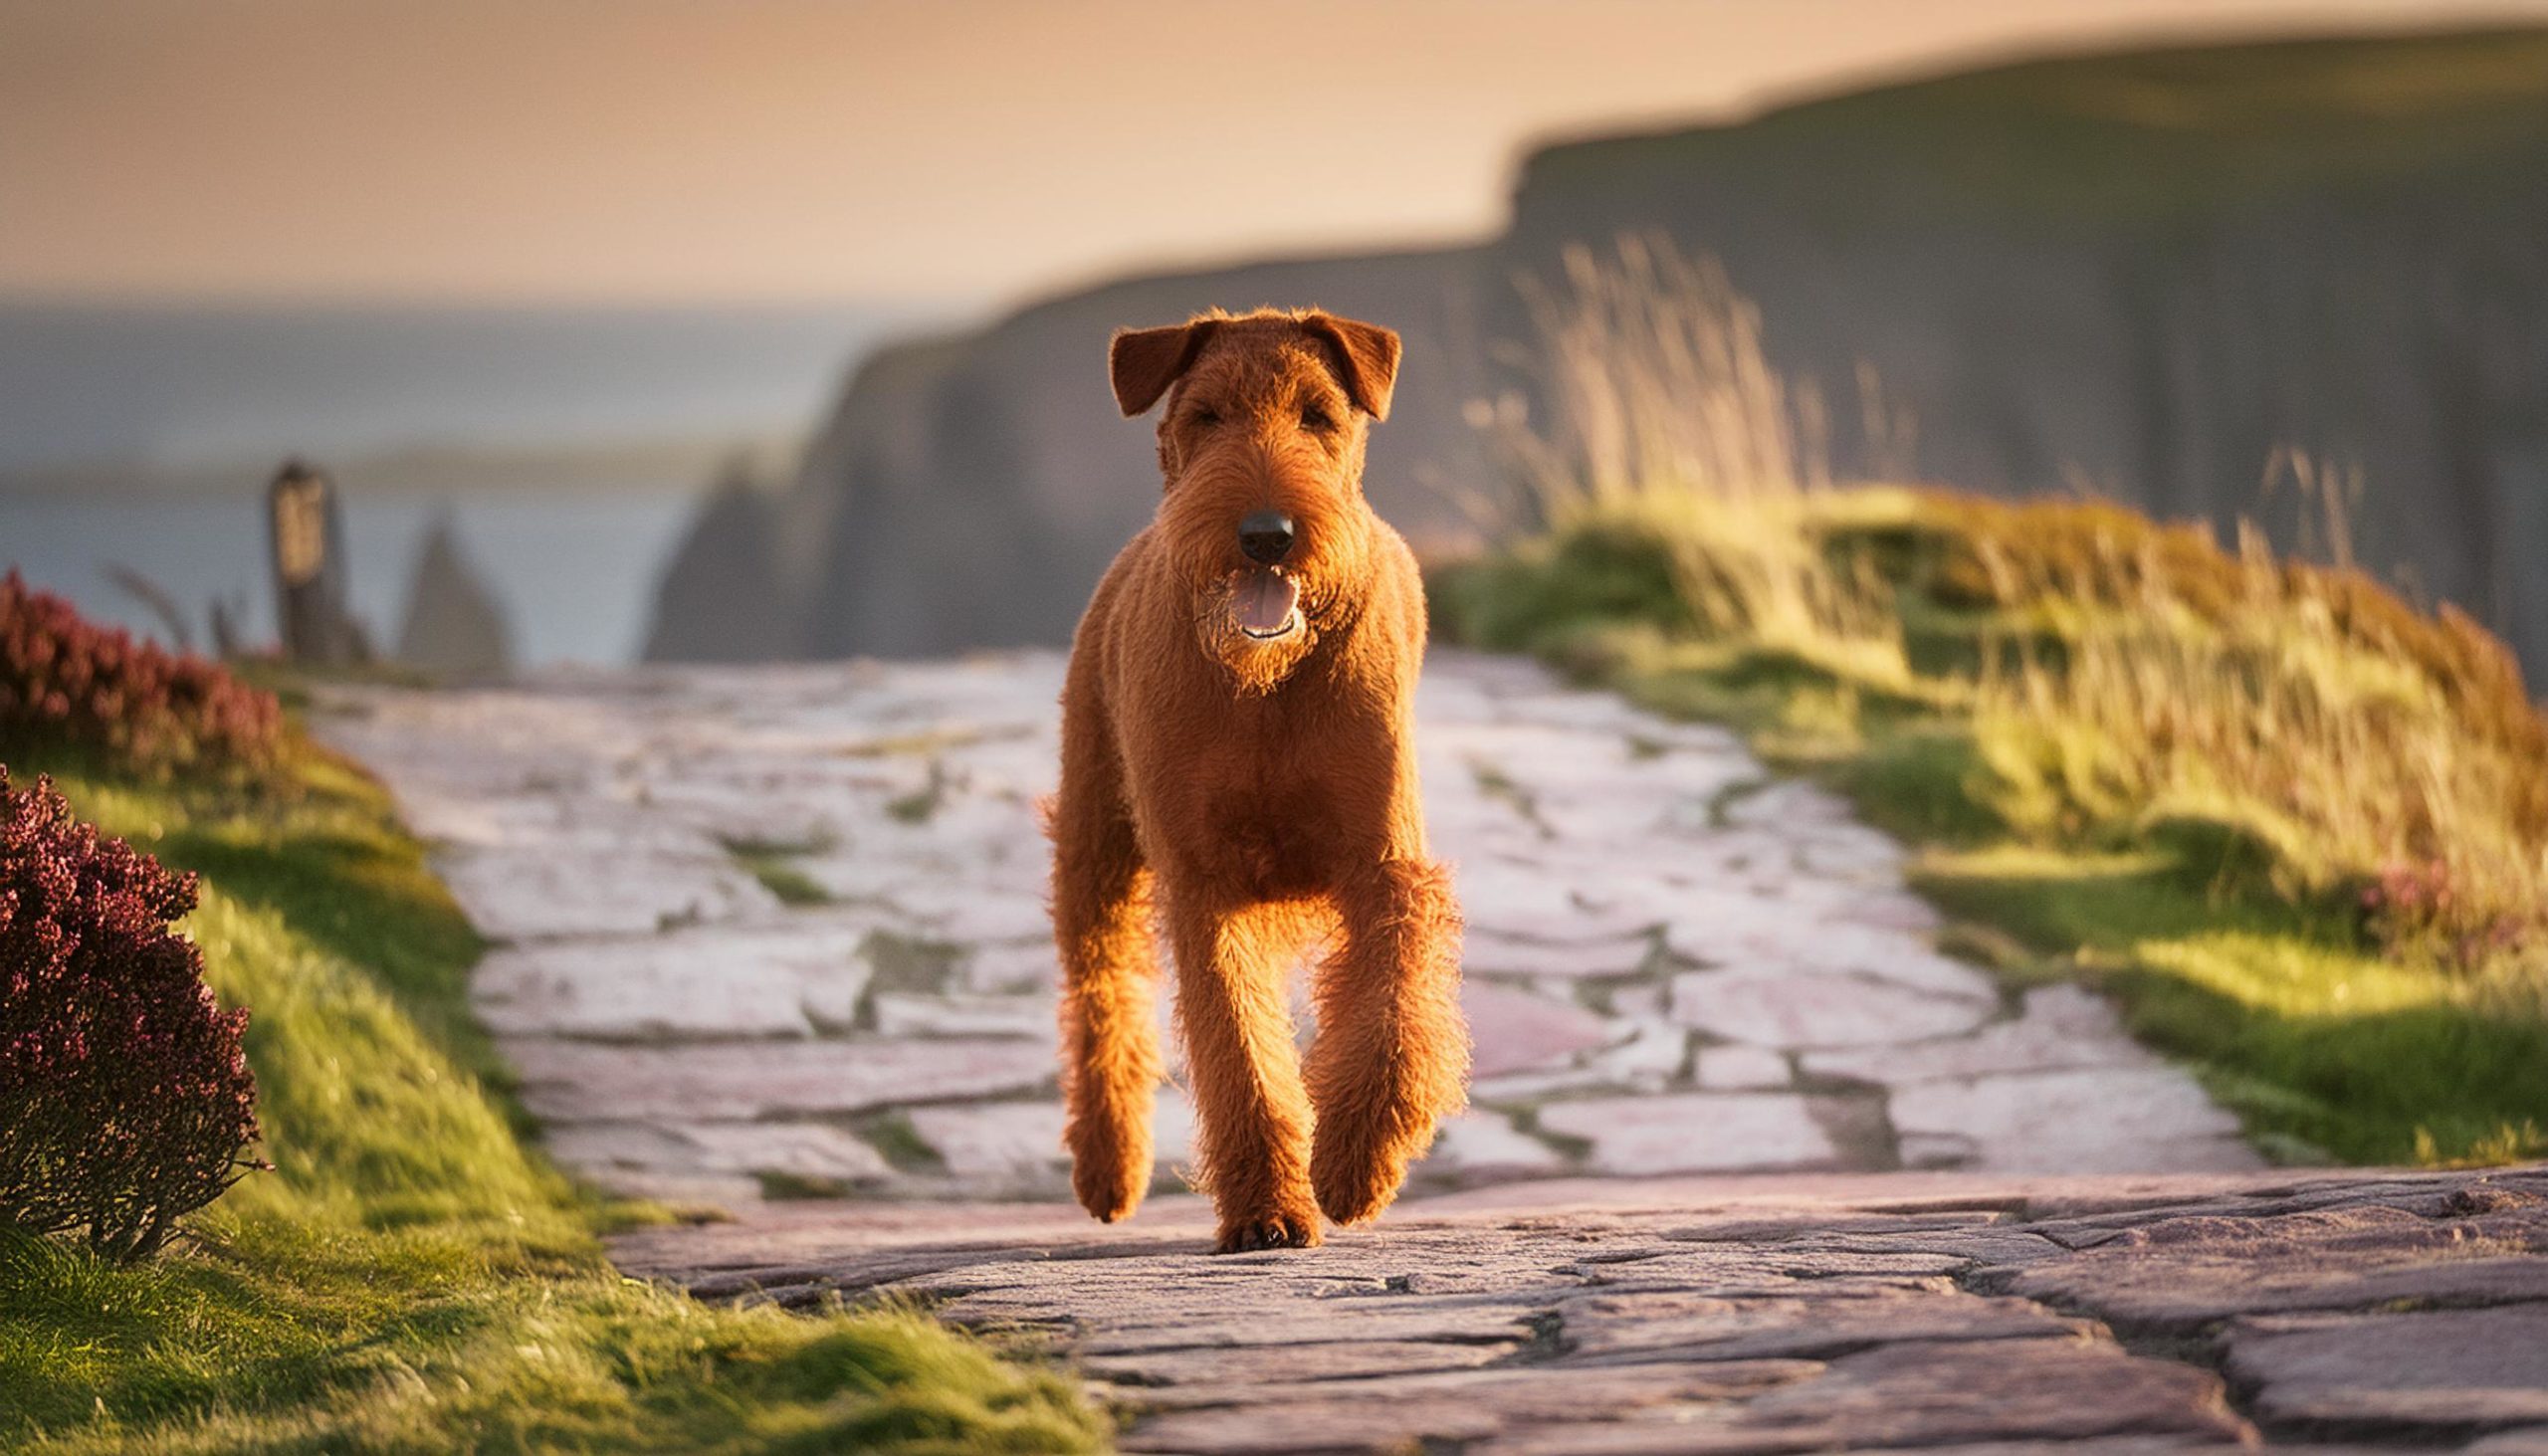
1255	795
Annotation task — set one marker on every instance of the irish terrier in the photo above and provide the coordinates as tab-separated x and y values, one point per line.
1237	755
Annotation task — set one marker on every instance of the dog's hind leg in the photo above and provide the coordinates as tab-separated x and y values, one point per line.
1111	1067
1252	1133
1392	1056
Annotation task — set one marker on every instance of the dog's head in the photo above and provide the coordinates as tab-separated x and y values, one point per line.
1261	443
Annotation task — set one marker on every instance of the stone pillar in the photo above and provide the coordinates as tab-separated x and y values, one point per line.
307	531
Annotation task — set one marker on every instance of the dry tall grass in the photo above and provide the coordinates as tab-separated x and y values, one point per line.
1667	416
2132	680
2350	767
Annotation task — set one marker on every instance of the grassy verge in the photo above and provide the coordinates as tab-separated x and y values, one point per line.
411	1277
2326	1042
2296	828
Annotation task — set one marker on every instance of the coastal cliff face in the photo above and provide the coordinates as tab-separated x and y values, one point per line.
2138	273
968	492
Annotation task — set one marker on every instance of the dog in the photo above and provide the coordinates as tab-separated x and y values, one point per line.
1239	768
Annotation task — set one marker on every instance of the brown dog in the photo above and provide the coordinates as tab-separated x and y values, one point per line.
1237	742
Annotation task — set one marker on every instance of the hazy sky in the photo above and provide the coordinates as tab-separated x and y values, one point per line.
620	150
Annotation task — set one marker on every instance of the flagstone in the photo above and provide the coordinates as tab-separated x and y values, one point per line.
994	1138
2146	1118
2059	1028
1485	1142
907	1013
1707	1131
1514	1031
575	1081
1735	1066
1817	1008
780	977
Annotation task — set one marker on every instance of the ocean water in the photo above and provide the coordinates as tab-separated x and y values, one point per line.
108	382
575	571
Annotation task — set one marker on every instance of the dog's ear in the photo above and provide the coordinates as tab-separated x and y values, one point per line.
1145	361
1368	354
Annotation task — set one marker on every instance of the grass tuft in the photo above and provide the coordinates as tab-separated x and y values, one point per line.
774	864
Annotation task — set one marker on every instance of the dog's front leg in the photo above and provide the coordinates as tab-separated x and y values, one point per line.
1111	1066
1392	1056
1253	1126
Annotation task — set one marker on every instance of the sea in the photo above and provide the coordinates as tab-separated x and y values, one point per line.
574	570
138	435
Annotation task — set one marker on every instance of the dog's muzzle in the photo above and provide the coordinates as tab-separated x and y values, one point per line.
1267	604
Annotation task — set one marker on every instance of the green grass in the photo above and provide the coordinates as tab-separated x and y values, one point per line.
411	1276
2323	1046
774	864
2218	950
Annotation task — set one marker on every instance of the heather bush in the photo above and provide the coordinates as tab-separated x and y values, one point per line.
70	685
126	1101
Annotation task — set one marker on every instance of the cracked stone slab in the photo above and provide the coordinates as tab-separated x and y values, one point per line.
521	893
2451	1372
1397	1413
996	1140
2186	1272
1759	1314
1292	1364
570	1081
903	1014
1735	1068
1488	953
784	977
1931	1395
1811	1323
1774	1009
1695	1132
2060	1028
1478	1141
1516	1031
1250	1325
2116	1119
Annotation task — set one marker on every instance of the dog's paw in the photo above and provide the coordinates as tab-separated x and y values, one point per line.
1109	1205
1110	1194
1354	1187
1269	1231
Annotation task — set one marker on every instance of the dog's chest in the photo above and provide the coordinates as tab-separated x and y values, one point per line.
1258	786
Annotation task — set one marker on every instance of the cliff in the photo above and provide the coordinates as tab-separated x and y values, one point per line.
720	599
2142	273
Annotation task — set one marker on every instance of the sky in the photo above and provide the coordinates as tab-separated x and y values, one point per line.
683	151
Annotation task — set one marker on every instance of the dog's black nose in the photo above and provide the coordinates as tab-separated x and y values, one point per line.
1266	536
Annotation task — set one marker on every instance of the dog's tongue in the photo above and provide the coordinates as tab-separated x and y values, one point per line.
1265	601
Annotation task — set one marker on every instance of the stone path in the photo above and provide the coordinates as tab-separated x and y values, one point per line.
779	933
1753	1166
1956	1312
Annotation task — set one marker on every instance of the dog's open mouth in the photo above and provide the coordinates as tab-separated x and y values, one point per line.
1267	604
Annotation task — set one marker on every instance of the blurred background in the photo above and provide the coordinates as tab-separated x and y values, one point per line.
741	331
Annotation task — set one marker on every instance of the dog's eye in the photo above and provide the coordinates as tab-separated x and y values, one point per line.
1207	418
1314	418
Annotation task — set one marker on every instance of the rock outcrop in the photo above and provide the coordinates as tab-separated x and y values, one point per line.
720	599
2142	274
455	627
